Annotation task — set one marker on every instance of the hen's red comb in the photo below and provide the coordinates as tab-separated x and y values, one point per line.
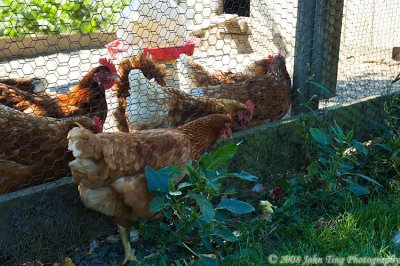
107	63
97	124
250	105
270	57
250	108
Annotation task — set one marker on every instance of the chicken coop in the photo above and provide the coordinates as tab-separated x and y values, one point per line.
128	66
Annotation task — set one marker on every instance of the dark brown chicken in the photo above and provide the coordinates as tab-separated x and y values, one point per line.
86	98
271	92
31	85
109	167
33	150
204	78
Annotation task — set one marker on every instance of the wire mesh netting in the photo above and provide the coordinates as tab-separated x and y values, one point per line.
134	65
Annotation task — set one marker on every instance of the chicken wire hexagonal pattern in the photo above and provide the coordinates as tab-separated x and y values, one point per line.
128	66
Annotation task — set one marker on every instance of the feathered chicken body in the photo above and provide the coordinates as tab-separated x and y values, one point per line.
109	167
149	105
31	85
33	150
201	77
149	69
270	92
86	98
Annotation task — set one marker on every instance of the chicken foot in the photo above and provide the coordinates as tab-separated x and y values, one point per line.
129	253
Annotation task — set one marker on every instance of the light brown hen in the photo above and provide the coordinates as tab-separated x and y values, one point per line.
109	167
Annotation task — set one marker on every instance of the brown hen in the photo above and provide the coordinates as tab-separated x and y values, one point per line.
271	92
31	85
109	167
147	104
204	78
33	150
86	98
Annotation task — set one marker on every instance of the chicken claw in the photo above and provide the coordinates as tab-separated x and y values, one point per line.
129	253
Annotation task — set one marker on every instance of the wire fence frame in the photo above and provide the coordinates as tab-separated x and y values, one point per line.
315	36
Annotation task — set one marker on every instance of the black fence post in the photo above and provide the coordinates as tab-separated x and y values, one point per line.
318	31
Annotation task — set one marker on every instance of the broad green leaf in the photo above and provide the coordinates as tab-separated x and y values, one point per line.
206	242
155	181
384	147
319	136
244	176
216	159
359	146
207	260
170	171
345	167
338	129
235	206
213	185
157	204
356	188
183	185
206	207
225	234
368	179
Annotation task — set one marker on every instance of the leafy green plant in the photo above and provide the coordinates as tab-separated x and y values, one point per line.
339	161
24	17
196	210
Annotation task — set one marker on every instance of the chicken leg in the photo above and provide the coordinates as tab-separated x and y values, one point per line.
129	253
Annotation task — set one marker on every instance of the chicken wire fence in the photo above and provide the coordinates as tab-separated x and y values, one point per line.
210	57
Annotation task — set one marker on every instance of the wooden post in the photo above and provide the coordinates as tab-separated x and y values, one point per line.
318	31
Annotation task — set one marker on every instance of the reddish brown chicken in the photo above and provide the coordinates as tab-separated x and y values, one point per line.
86	98
149	105
271	92
33	149
109	167
205	78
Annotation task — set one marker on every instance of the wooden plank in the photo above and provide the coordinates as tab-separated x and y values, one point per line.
303	55
34	45
317	47
396	53
327	40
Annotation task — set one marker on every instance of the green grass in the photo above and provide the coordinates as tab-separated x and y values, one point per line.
362	229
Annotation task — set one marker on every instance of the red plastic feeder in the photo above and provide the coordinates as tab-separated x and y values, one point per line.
170	52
